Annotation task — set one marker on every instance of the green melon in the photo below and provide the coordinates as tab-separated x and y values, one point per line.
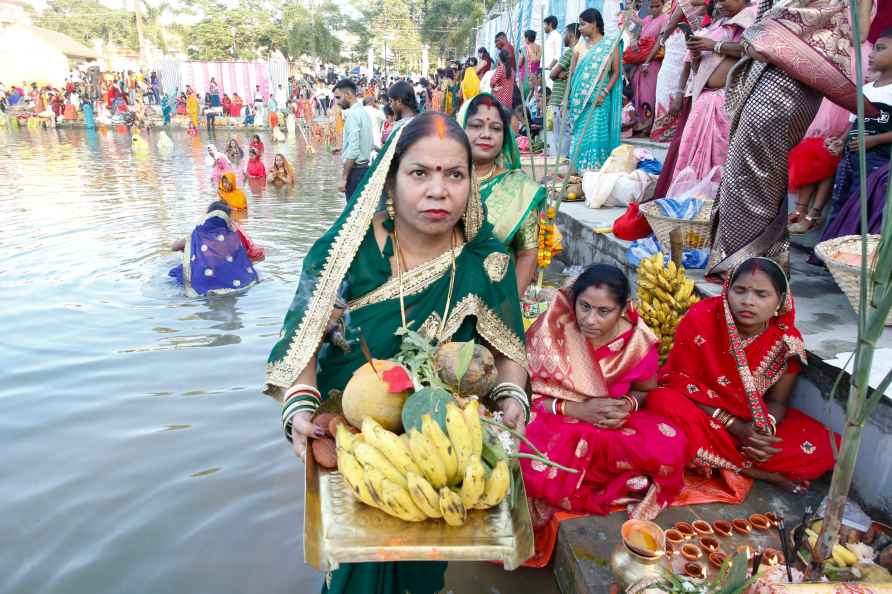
427	401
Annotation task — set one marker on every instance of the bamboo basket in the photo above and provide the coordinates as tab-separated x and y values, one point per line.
848	276
694	232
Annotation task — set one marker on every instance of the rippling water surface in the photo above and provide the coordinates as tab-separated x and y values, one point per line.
138	455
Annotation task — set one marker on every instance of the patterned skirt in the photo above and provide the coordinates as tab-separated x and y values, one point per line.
750	215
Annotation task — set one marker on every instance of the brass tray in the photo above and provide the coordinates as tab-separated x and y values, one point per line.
339	529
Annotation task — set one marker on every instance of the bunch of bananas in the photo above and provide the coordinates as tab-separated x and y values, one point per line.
423	474
664	295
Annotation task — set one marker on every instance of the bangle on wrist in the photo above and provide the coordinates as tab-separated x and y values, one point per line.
717	48
509	390
298	399
633	402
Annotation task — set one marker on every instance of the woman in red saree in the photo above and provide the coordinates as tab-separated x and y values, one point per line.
592	361
729	378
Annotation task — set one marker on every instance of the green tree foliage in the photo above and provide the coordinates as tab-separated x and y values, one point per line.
452	25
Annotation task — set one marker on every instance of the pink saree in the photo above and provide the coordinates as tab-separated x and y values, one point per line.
641	463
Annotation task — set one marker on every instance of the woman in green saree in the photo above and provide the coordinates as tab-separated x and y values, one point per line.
512	199
429	261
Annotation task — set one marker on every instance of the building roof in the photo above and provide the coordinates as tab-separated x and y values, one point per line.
68	46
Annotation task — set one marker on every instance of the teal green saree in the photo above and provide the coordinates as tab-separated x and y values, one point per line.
346	263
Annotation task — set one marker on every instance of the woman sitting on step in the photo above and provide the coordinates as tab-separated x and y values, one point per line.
729	378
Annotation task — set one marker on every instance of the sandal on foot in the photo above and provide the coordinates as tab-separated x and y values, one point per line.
805	225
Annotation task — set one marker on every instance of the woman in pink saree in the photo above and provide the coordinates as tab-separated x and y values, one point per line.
712	53
592	361
644	79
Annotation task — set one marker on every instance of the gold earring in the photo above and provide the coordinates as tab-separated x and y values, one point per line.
388	206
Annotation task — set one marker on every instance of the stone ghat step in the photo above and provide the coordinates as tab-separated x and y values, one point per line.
582	558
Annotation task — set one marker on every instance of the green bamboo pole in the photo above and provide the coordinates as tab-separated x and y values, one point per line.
872	314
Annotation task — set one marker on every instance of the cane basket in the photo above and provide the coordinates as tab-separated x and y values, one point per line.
848	275
694	232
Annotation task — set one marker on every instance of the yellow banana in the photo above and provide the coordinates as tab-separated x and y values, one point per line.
474	483
389	444
497	484
471	413
371	457
672	268
840	553
452	508
426	457
353	474
344	439
441	443
645	284
424	496
459	436
374	483
399	500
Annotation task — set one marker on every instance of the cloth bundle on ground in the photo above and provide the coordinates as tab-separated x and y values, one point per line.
618	183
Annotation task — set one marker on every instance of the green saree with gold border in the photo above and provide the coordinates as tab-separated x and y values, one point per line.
347	263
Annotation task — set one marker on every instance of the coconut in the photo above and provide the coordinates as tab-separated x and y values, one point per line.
480	377
368	395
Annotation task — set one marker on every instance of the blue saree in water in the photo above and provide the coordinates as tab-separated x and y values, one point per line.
87	109
214	260
603	132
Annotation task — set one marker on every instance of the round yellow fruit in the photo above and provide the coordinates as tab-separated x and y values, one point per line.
368	395
571	196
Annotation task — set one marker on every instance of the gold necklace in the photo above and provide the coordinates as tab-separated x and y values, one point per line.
492	170
400	263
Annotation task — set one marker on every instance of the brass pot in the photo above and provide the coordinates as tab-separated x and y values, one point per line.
629	567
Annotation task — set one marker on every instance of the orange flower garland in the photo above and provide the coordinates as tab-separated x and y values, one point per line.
549	238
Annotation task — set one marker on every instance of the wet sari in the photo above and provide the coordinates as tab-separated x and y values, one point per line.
214	260
512	199
711	364
235	197
603	132
347	263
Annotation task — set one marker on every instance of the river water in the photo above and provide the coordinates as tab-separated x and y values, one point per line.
138	454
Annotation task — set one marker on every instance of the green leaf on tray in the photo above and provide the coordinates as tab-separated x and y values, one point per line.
465	355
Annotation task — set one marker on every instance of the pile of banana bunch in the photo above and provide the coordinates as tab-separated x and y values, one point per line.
664	296
428	473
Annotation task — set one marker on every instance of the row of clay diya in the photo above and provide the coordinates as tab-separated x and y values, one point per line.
709	546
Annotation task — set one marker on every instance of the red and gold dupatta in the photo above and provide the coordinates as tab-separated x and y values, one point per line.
712	364
560	358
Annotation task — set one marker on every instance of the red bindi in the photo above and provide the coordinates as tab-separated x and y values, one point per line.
439	168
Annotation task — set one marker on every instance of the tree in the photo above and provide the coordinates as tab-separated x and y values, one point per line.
88	20
452	24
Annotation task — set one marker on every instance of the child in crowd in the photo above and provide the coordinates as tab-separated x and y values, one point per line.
629	114
389	121
878	130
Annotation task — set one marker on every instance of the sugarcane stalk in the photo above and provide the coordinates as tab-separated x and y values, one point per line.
545	461
872	313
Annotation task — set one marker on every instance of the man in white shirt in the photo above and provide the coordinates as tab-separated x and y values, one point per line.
370	105
553	46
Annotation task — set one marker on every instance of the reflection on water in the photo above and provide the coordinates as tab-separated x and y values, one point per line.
133	460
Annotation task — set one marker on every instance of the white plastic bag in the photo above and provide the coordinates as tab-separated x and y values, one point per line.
686	184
